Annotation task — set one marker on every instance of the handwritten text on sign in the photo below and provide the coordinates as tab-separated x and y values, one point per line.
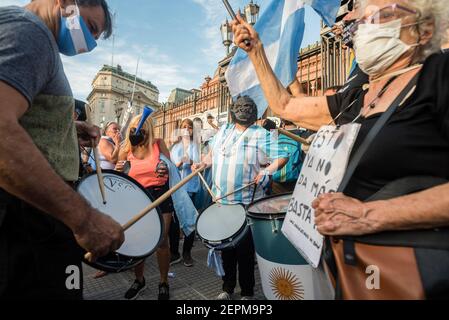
322	172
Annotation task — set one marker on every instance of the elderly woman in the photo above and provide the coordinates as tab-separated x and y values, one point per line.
392	39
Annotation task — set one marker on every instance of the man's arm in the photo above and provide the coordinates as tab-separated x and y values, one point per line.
23	168
309	112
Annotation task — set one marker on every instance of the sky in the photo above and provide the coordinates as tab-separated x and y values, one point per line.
178	42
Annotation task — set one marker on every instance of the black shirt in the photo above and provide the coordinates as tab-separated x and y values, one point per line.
414	142
355	81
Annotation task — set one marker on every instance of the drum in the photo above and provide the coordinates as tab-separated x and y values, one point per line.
285	274
222	227
125	198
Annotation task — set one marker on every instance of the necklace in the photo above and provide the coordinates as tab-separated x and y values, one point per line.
234	144
374	102
372	105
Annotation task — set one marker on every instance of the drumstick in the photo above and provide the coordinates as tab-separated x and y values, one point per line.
99	173
96	159
207	187
154	205
294	137
235	191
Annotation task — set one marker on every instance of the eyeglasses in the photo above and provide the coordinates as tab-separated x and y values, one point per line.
384	15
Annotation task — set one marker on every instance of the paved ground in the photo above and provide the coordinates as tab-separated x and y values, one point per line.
196	283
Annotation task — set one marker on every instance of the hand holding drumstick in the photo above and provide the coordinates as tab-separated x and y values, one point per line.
89	256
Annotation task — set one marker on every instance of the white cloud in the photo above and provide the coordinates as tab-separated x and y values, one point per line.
215	16
154	66
13	2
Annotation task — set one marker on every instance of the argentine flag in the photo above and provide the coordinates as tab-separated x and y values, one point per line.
281	30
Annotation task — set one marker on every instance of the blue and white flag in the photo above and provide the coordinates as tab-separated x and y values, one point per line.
281	30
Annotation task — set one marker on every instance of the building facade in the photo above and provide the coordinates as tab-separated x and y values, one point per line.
200	104
178	95
112	89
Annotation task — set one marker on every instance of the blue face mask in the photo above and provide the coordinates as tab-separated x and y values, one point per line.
74	36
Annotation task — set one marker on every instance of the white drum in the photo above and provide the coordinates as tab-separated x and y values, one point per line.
124	199
222	227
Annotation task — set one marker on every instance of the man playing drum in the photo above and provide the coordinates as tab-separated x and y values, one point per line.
240	154
42	219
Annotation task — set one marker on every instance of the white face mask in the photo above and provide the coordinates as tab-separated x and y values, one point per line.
378	46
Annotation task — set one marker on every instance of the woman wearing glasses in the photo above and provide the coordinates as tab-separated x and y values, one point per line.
395	42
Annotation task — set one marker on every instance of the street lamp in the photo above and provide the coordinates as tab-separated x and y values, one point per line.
252	12
226	35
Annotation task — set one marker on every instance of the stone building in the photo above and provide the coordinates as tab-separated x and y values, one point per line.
112	88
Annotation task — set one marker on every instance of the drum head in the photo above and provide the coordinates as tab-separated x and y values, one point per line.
125	199
221	222
266	208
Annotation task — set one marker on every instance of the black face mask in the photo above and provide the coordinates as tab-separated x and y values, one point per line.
347	33
244	112
136	139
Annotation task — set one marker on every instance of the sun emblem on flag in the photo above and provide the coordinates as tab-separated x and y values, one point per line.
285	285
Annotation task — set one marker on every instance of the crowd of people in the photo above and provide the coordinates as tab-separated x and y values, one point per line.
391	212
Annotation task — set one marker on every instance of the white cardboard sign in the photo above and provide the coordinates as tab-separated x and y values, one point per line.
323	171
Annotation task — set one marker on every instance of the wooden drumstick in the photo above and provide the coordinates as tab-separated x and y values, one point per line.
231	193
99	173
96	159
207	187
154	205
294	137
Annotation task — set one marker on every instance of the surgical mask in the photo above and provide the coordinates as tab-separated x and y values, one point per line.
378	46
74	36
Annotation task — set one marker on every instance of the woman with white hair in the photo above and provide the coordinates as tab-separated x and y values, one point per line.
394	44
